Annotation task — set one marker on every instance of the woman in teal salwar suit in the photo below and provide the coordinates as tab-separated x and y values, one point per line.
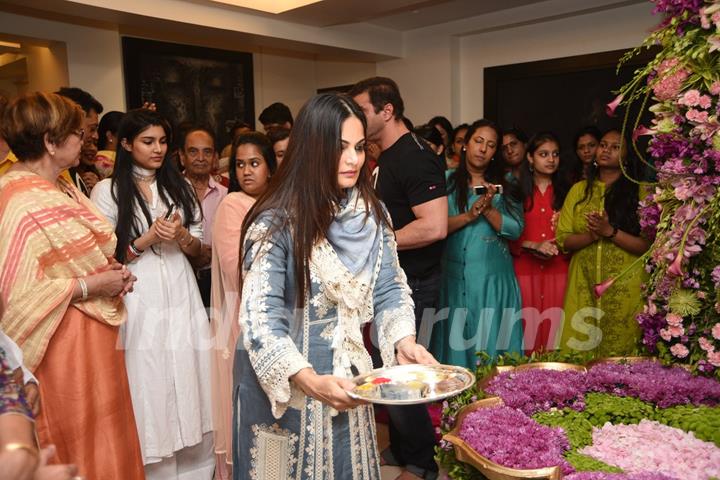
479	291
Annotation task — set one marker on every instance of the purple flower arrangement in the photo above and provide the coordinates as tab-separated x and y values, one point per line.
538	390
647	450
651	382
510	438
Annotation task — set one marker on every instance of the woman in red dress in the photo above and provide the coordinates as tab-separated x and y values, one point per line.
540	267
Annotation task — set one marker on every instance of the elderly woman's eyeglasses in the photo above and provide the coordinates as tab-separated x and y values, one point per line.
80	132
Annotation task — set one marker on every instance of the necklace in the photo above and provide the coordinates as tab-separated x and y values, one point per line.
144	178
143	175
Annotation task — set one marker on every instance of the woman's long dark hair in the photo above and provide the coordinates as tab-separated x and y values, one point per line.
622	196
576	169
263	144
304	193
495	173
450	151
560	184
172	186
110	122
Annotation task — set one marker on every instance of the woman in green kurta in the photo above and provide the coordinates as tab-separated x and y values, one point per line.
479	290
599	223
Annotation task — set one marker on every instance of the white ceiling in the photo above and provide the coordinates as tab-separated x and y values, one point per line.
332	30
393	14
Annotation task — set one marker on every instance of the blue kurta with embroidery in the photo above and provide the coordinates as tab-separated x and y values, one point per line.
355	278
479	288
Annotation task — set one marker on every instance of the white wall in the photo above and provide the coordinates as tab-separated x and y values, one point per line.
424	75
602	31
93	55
94	63
282	79
441	72
335	74
293	80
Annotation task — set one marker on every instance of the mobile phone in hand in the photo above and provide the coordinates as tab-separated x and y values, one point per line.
170	212
483	189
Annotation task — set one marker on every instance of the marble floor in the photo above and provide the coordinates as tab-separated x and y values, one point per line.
387	473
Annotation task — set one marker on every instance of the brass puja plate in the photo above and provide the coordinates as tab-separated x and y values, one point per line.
411	384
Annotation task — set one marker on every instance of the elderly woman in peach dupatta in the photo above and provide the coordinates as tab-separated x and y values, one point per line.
61	293
252	163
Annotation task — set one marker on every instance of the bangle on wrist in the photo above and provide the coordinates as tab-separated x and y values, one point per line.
135	248
83	289
189	241
136	252
13	447
612	235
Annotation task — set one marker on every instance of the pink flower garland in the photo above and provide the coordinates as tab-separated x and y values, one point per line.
653	447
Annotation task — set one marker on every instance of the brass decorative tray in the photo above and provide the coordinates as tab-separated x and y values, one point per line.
493	471
628	360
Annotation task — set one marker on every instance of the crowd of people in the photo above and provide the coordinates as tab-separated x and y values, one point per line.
220	300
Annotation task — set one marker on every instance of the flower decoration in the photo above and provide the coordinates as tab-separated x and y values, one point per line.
640	420
493	432
538	389
618	476
681	216
669	450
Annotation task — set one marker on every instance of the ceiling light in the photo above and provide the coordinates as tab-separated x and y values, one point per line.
10	44
269	6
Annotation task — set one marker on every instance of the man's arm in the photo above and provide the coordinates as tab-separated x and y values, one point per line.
429	226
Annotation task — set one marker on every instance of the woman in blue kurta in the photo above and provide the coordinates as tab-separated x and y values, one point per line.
479	288
319	261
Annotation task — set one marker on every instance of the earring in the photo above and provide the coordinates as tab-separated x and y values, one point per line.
595	163
52	152
531	168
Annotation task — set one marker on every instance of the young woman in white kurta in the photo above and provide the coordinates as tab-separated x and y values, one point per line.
167	335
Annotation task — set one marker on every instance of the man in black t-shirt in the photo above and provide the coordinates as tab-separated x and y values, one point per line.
411	182
411	177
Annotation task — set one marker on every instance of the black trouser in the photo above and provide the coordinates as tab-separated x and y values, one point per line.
412	437
204	278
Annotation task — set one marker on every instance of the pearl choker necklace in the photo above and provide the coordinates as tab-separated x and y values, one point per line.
144	178
143	174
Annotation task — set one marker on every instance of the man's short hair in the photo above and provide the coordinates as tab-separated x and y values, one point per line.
196	128
277	134
240	124
86	101
276	114
381	90
517	133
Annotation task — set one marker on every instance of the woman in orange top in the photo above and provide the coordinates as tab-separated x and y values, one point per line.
61	292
